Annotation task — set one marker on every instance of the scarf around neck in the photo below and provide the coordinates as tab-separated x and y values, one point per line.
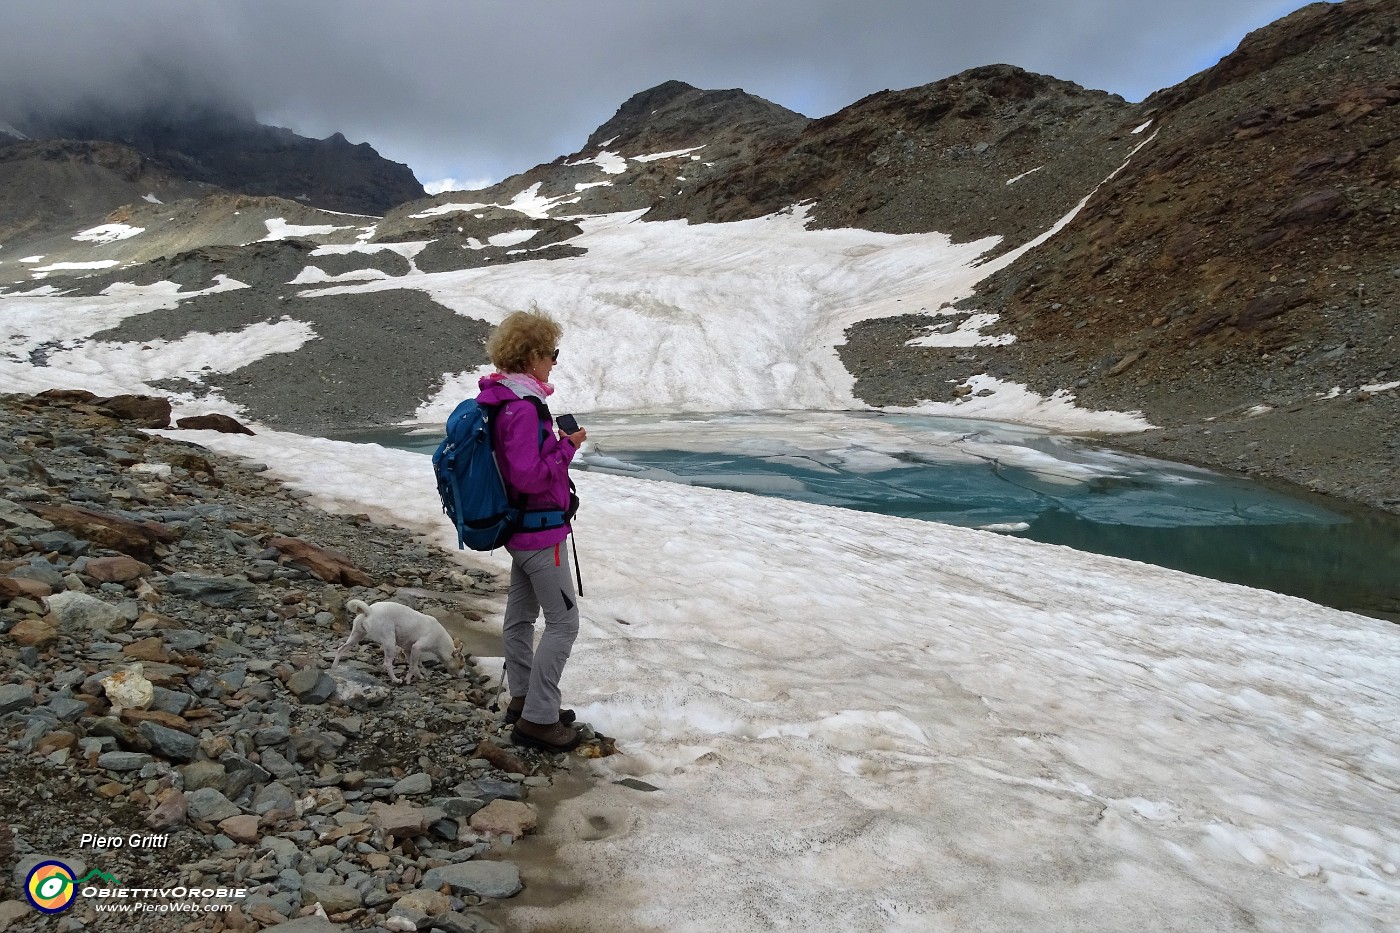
523	384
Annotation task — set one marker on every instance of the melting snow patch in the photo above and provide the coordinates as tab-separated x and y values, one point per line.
1381	387
61	266
279	229
151	198
109	233
447	209
610	162
511	237
32	259
1258	410
666	155
1012	181
584	186
967	334
1142	128
1009	401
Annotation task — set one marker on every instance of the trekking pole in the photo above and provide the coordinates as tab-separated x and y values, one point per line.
573	539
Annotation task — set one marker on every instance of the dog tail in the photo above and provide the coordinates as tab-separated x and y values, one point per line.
357	606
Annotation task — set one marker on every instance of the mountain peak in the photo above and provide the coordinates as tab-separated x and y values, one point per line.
674	115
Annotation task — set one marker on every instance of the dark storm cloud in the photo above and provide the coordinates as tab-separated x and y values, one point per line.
491	87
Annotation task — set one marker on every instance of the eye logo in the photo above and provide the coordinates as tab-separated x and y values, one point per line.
50	887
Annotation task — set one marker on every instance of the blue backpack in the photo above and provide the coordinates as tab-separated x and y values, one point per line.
470	485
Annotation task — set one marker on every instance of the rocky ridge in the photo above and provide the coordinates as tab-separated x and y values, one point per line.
1237	282
226	147
195	578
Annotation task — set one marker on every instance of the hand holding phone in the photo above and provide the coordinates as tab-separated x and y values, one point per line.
569	428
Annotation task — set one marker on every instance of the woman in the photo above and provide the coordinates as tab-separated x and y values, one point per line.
534	464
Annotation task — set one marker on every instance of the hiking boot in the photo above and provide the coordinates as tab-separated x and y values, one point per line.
555	737
517	706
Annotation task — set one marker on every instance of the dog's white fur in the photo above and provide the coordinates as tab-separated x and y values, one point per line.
394	626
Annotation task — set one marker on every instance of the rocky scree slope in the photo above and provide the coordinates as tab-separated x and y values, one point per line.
48	186
319	789
1241	268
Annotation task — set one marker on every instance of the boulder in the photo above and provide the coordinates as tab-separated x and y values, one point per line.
33	633
212	422
487	879
137	539
147	411
118	569
74	610
320	562
217	592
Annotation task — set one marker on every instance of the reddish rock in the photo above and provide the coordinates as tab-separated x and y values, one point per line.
147	649
169	720
120	569
33	633
15	587
147	411
137	539
323	563
214	422
505	817
243	828
1314	208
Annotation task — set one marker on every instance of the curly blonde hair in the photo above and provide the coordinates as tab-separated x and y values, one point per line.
520	338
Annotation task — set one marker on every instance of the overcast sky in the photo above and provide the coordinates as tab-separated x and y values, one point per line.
476	90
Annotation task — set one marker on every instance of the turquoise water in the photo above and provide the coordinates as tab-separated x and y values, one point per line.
1015	481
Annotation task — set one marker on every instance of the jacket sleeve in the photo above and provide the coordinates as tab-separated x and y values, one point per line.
528	467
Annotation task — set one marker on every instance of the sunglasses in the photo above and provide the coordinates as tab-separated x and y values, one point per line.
555	355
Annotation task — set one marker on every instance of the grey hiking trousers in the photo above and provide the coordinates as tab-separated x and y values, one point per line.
539	580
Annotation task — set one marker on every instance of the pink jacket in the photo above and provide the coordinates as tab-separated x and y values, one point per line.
538	473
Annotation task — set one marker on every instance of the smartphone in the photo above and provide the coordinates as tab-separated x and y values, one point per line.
567	423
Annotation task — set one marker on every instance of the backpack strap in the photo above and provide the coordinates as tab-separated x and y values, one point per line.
534	519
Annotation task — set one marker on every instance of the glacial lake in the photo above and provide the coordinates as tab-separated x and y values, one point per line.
1011	480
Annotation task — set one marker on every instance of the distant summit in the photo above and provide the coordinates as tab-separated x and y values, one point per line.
226	147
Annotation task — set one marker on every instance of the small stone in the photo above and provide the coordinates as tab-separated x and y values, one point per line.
118	569
171	812
15	697
414	784
75	610
488	879
123	761
210	806
504	817
177	746
201	774
399	819
335	898
147	649
242	828
311	685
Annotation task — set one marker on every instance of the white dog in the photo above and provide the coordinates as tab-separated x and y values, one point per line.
394	626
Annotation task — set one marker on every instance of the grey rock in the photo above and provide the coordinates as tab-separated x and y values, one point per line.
634	784
488	879
459	808
202	774
80	611
277	764
358	690
123	761
170	701
17	516
414	784
462	923
209	805
284	851
218	592
489	790
171	743
184	639
272	735
290	879
311	925
329	893
43	573
273	797
67	708
311	685
15	697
